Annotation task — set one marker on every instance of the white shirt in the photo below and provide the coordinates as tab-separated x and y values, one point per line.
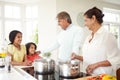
102	47
68	41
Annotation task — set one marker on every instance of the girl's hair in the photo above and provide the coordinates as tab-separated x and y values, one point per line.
12	35
28	46
95	12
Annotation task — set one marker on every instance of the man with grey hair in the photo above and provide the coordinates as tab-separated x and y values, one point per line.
69	40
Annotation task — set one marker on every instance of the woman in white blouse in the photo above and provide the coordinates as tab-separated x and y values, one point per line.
100	53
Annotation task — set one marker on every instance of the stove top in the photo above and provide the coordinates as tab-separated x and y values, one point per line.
56	76
52	76
69	78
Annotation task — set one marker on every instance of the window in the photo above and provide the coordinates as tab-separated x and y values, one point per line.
12	19
112	22
19	17
32	29
31	12
32	23
1	23
0	29
0	11
12	11
11	25
112	17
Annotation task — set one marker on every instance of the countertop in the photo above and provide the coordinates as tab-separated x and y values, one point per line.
16	74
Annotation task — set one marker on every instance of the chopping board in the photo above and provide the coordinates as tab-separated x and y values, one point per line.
81	79
84	78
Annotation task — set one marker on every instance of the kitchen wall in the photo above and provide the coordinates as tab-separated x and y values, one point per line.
74	7
48	28
47	24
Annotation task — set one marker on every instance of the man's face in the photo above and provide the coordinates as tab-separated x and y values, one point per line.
62	23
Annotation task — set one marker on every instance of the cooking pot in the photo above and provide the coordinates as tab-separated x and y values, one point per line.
44	66
69	68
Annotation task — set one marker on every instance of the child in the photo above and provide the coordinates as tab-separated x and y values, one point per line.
31	51
17	50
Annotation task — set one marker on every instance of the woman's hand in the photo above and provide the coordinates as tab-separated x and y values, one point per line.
38	52
91	68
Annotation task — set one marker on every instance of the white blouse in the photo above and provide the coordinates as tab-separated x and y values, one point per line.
102	47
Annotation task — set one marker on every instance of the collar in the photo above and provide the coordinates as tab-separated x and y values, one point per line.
100	30
69	26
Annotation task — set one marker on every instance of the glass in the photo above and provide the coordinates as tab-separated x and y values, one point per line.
7	63
2	51
2	54
2	63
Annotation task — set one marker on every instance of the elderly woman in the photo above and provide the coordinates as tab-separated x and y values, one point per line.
100	53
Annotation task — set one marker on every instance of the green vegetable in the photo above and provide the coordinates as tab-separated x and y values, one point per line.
47	54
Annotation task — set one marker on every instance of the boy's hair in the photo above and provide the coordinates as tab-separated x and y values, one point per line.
28	46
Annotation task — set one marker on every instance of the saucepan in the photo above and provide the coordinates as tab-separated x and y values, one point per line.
69	68
44	66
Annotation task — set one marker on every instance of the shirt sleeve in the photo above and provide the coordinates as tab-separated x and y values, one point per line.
52	47
78	41
10	49
113	53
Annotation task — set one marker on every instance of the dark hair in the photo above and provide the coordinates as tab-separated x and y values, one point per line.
95	12
28	46
64	15
12	35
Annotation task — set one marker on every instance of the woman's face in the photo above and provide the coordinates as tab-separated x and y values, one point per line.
18	39
32	49
89	22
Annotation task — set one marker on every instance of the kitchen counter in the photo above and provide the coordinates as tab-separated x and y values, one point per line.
16	74
19	73
82	76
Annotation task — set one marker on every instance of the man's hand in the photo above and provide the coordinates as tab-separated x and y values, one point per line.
73	56
38	52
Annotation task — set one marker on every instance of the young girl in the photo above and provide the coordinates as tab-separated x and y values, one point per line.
16	50
31	51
